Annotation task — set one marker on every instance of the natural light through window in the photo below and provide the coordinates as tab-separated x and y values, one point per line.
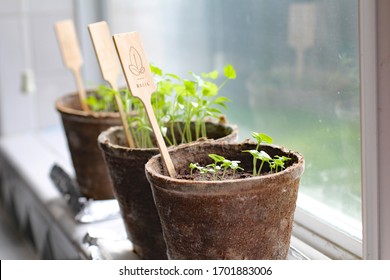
297	75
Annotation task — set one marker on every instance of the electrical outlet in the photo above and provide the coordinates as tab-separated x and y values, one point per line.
28	81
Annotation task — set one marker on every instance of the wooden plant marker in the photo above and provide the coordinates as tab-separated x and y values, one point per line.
139	79
71	54
107	58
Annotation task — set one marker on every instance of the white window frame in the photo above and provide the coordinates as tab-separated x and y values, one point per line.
375	80
375	150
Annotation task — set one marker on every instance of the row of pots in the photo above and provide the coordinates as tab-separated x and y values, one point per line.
183	219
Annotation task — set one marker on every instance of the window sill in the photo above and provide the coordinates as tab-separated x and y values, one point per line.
335	235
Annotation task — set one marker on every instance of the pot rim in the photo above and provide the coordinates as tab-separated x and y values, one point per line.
296	170
62	108
105	142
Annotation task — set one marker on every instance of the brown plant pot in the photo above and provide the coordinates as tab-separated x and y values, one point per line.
247	218
127	170
82	129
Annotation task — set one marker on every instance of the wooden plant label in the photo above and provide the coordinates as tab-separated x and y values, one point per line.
107	58
70	50
139	79
105	52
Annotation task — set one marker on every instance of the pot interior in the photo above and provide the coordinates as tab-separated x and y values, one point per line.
70	104
214	131
198	153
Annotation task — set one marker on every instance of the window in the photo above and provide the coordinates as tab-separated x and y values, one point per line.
297	64
298	81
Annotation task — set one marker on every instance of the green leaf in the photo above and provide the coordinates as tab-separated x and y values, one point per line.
165	87
216	158
266	138
194	104
210	89
214	111
254	153
190	87
181	99
229	71
173	76
261	137
155	70
234	165
211	75
221	101
264	156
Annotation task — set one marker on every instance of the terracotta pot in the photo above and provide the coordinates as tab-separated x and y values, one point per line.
132	189
248	218
82	129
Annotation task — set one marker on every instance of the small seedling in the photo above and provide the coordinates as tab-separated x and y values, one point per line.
234	166
260	138
220	163
259	155
263	156
215	167
103	99
276	164
202	170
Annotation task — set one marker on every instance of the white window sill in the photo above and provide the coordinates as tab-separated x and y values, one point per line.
336	235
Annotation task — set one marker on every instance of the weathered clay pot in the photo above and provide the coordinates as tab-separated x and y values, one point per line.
82	129
127	170
248	218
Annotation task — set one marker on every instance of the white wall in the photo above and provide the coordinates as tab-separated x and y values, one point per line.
27	41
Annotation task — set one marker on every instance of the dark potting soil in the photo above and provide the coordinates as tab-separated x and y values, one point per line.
229	175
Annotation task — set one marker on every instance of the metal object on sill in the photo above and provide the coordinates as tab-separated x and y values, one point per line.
67	187
295	254
106	244
86	210
98	210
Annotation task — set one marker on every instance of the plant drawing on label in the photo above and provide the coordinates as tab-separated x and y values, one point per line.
136	66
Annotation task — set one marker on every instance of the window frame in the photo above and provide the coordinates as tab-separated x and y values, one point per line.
375	73
326	232
369	127
375	149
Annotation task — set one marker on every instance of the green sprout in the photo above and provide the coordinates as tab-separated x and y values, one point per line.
220	163
232	164
278	163
192	167
202	170
263	156
259	155
214	168
260	138
103	99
